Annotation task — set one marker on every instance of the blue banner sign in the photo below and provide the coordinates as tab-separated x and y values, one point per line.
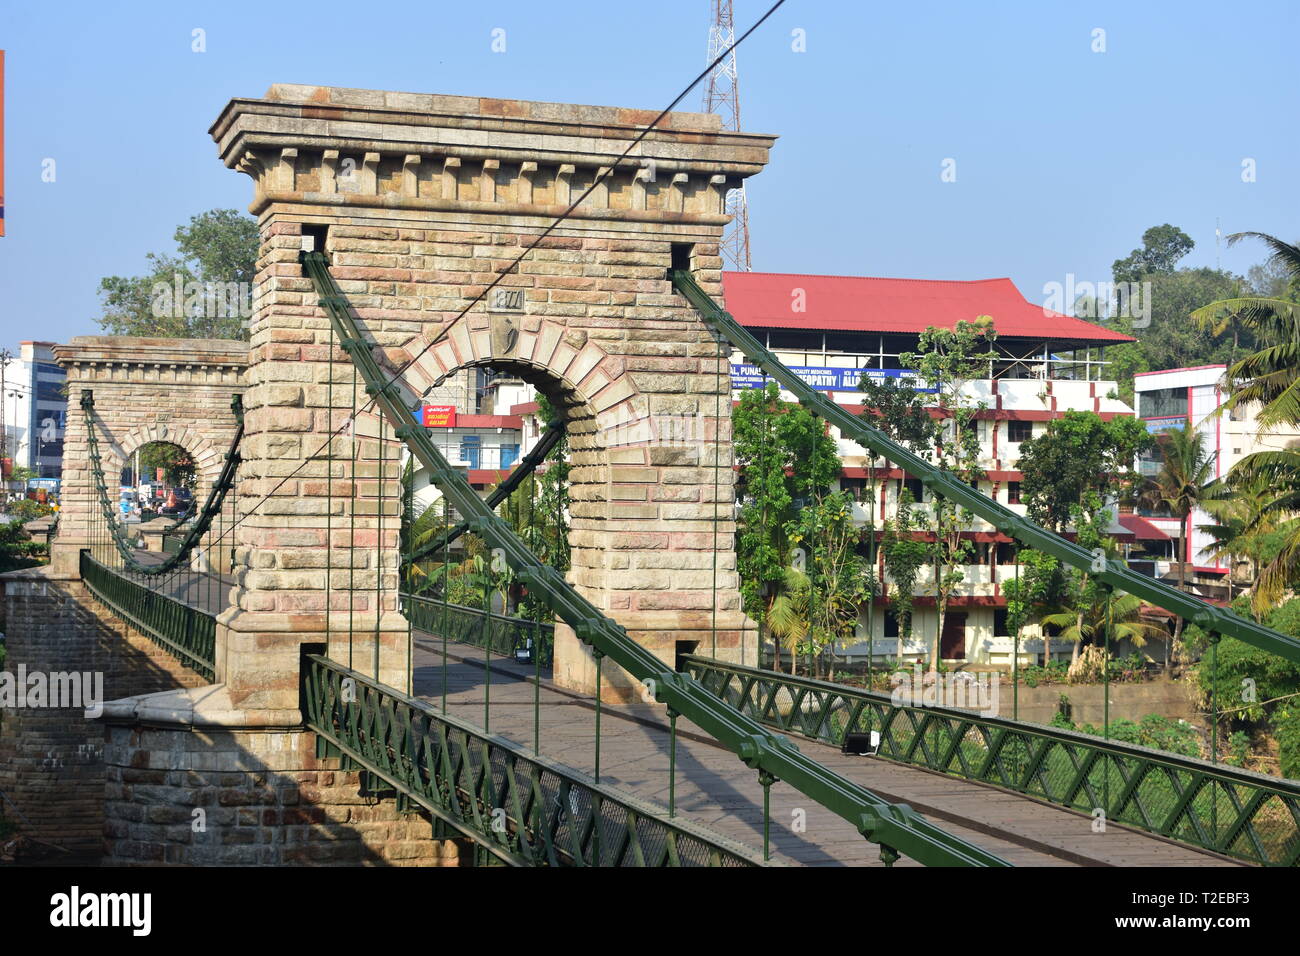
824	379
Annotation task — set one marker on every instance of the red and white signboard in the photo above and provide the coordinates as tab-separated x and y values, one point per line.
439	416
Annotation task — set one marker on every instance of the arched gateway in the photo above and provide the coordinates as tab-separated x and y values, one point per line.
419	201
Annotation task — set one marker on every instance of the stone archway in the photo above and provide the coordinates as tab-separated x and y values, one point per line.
145	390
420	202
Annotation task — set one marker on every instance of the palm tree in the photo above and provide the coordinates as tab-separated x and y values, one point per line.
1086	623
1240	516
1279	472
1271	375
789	614
1180	484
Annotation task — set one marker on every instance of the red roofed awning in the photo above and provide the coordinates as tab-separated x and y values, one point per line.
863	304
1143	530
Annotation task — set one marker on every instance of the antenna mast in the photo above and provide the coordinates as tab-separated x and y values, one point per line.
722	96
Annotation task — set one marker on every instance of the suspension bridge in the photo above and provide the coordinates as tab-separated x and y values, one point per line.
327	706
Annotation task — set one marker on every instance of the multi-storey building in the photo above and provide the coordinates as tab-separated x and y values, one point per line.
834	329
1182	397
35	410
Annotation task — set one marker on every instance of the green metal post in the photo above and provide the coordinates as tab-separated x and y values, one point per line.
537	687
672	763
766	779
1015	652
446	514
487	647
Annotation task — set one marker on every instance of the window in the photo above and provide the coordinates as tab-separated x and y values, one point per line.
1163	403
915	487
857	487
1019	431
891	624
1000	622
469	450
509	455
1013	492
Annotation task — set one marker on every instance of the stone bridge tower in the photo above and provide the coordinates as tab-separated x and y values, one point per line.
145	390
419	201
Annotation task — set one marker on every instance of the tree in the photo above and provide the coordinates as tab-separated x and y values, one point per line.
1253	689
837	579
175	462
899	410
1179	486
785	459
203	292
1271	375
1241	522
1079	454
947	360
905	554
1084	621
1032	592
1162	247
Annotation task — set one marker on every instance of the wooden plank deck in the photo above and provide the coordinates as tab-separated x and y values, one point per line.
714	788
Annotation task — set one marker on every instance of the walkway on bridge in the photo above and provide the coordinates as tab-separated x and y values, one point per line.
715	789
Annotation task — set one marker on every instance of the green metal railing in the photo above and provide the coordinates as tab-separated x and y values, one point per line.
522	808
1235	812
188	633
895	827
1110	572
467	625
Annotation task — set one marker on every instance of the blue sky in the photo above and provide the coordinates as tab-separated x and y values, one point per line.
1063	155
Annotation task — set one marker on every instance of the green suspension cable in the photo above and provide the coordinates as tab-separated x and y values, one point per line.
381	487
446	583
329	501
717	465
353	423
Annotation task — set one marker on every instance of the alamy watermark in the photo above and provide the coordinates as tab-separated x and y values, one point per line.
1100	300
962	690
183	298
60	689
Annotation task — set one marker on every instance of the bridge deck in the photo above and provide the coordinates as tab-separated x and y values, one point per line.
716	789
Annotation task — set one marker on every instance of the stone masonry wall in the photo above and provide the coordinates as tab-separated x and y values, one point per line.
264	799
51	763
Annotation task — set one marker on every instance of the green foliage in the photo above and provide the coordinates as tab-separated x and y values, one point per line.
1162	247
17	549
904	557
900	411
1286	728
786	462
27	509
176	463
216	247
1179	486
1155	731
1244	671
1078	454
1271	375
947	359
837	574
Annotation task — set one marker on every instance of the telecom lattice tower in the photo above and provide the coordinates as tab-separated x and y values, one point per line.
723	97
